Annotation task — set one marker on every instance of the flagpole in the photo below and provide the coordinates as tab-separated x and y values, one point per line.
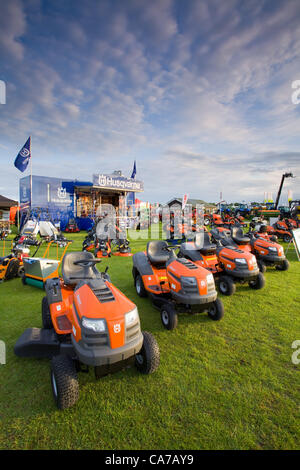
30	176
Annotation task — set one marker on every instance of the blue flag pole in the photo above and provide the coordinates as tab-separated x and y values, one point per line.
30	175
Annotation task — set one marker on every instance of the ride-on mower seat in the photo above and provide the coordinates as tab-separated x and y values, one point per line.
238	236
157	252
74	273
207	248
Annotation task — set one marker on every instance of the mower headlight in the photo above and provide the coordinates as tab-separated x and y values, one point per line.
273	249
209	278
131	317
188	281
97	325
240	261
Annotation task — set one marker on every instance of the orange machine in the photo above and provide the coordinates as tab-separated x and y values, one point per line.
174	285
86	321
10	263
228	264
267	252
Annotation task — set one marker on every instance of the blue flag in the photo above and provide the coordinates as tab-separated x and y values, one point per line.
23	157
134	170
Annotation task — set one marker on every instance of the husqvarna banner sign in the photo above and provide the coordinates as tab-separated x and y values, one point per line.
118	182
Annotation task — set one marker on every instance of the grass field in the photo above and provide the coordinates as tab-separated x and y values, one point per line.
220	385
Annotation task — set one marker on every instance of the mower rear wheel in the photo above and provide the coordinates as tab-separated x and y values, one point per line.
46	316
64	381
169	317
261	265
24	280
287	238
139	286
216	310
226	285
147	360
258	283
21	271
284	266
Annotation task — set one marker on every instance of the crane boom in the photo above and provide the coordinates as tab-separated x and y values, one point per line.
285	175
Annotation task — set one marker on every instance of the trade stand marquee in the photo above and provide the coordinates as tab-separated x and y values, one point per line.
61	199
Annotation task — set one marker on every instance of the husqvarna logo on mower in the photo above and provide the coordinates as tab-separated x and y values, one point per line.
117	328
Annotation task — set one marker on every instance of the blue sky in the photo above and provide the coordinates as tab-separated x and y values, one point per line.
198	92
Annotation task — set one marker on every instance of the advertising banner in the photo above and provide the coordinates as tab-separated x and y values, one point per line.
296	240
119	183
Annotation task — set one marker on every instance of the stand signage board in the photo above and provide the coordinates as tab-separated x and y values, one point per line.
296	240
118	183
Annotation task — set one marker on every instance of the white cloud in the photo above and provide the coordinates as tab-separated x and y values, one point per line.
191	89
12	27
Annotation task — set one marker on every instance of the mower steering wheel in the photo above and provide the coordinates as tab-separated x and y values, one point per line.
172	247
87	263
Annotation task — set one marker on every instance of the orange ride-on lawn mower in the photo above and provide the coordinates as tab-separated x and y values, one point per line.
87	322
9	267
174	285
228	264
9	263
263	230
267	252
283	230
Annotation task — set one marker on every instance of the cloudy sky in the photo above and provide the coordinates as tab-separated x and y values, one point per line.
198	92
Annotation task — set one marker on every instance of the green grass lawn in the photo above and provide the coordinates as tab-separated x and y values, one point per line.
220	385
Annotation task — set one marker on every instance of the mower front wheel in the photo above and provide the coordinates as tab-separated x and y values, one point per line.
147	360
64	381
226	285
261	266
258	283
284	266
169	317
216	310
139	286
46	316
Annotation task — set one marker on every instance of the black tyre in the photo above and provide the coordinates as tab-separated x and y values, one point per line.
21	271
216	310
169	317
24	280
283	266
46	316
258	283
139	286
64	381
147	360
287	238
226	285
261	265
